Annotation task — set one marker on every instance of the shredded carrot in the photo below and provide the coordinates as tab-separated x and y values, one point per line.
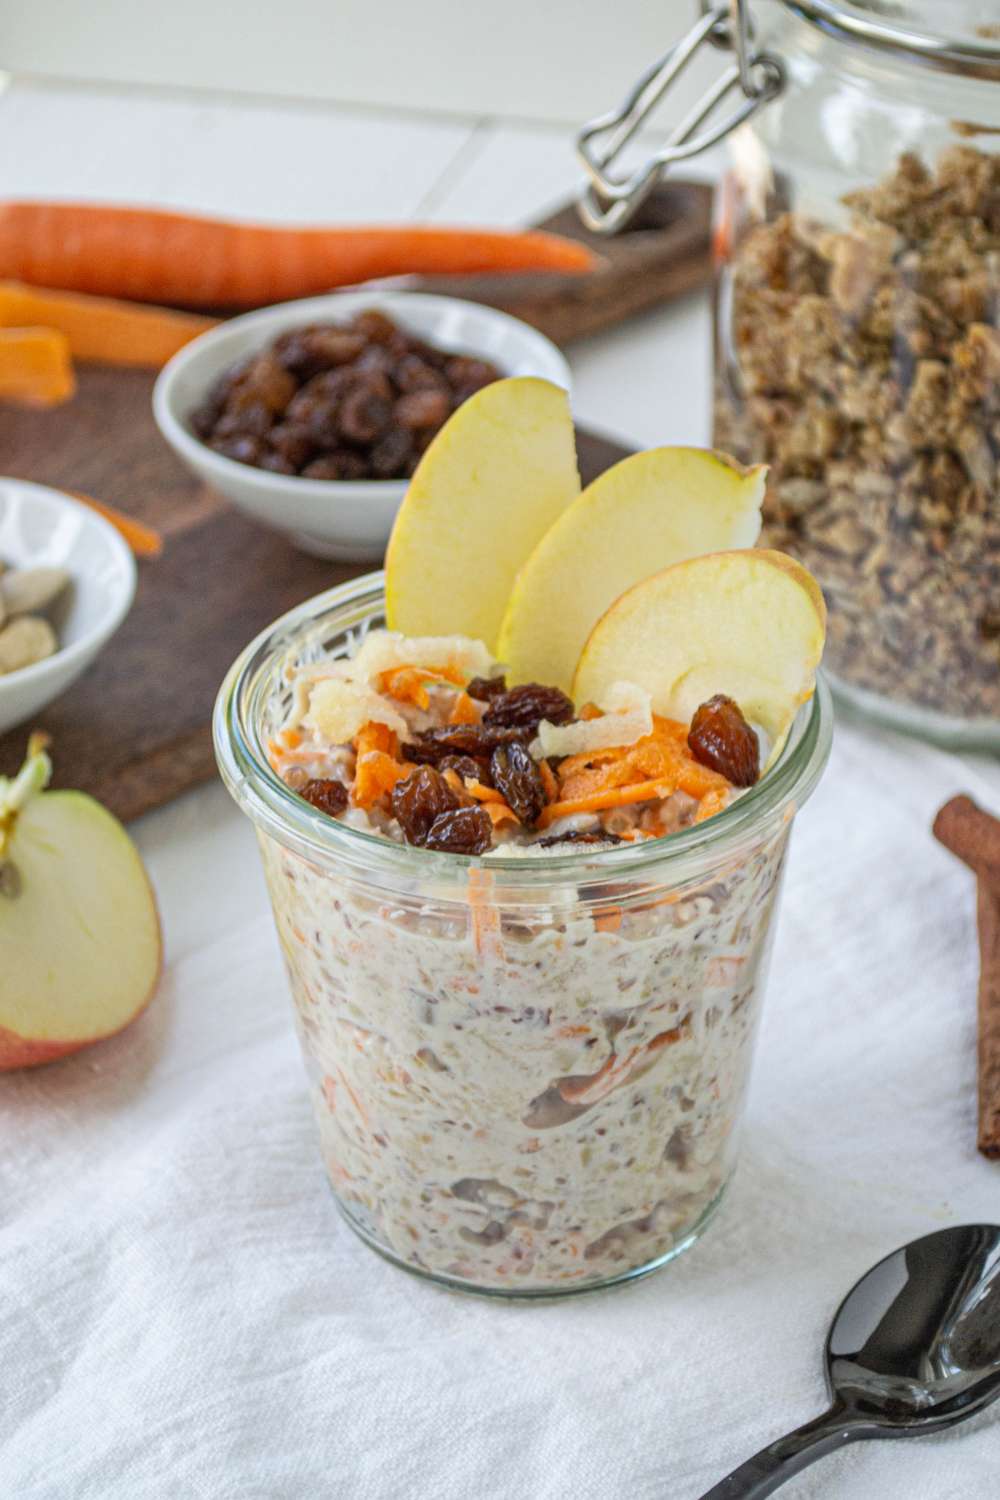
483	793
377	767
500	813
484	915
35	367
409	684
291	739
463	711
610	920
549	783
621	796
144	541
99	328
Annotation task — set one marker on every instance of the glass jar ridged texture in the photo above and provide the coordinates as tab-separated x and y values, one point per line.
528	1073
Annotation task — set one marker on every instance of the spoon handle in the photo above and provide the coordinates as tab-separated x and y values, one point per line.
780	1460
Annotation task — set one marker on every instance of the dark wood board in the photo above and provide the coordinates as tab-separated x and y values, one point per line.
663	254
134	731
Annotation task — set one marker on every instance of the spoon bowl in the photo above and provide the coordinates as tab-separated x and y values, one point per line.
914	1348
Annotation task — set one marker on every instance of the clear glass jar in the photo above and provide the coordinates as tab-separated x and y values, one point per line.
528	1074
858	343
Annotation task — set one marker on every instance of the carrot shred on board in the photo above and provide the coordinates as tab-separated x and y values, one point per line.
144	541
102	329
153	255
35	367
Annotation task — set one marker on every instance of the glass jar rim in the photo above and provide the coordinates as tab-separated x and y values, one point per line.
953	53
274	807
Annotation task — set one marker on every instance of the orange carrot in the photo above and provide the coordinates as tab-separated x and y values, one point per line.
144	541
483	793
35	367
377	768
114	333
409	684
622	796
152	255
549	783
500	813
463	711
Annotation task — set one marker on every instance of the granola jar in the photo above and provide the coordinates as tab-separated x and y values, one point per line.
527	1071
857	335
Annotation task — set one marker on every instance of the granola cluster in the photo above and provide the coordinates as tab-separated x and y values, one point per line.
864	367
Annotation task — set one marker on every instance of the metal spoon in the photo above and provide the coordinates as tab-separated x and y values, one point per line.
915	1347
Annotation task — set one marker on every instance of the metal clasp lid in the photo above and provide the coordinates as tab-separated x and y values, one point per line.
610	201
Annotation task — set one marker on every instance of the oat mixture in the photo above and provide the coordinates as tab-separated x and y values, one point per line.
864	367
518	1091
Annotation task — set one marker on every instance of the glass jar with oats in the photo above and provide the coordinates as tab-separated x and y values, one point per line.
857	327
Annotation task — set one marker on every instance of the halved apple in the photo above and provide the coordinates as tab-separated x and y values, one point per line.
80	946
649	511
749	624
489	486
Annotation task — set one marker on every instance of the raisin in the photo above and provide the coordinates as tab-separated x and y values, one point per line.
329	796
464	739
468	767
308	351
470	375
466	830
524	707
422	409
243	448
364	415
376	326
517	778
339	463
276	463
292	442
205	416
391	454
721	739
266	381
244	419
485	688
579	836
419	800
413	373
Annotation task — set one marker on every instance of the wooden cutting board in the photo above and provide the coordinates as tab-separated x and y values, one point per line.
135	729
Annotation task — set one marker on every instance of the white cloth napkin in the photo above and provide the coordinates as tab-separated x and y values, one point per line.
183	1314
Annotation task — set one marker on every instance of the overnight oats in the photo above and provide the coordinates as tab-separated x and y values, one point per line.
523	803
528	1028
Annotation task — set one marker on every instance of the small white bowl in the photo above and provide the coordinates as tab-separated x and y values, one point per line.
40	527
332	518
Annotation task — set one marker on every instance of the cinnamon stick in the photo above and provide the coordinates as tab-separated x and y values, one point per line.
974	836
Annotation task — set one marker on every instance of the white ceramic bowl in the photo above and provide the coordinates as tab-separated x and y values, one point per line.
332	518
43	527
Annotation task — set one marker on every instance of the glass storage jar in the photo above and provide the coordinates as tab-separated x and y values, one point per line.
528	1075
858	336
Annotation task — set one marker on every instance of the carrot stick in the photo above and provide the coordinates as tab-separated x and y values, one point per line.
114	333
151	255
144	541
35	367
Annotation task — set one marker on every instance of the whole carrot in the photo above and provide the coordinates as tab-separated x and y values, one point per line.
151	255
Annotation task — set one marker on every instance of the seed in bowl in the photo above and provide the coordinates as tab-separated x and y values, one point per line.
347	401
26	636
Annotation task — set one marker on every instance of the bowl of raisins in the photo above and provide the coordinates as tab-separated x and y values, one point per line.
311	416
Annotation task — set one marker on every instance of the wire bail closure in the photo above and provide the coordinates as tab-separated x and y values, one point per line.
610	202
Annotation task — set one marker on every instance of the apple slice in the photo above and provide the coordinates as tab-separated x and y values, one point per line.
749	624
79	931
491	483
647	512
